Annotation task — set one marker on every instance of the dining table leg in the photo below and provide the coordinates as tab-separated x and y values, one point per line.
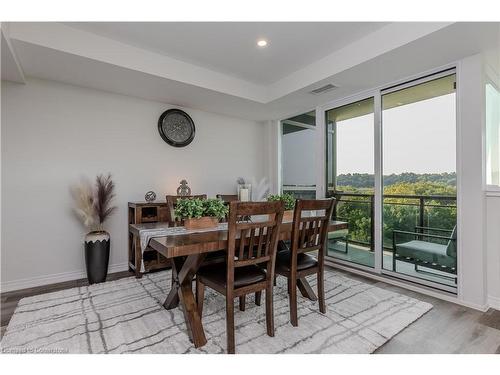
305	289
182	291
172	300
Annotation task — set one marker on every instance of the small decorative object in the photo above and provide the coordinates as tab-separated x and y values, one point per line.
200	213
150	196
244	192
289	201
176	128
93	207
183	189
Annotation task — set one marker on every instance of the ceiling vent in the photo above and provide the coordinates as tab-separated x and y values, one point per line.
323	89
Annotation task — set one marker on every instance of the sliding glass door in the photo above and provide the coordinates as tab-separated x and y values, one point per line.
391	164
350	179
419	180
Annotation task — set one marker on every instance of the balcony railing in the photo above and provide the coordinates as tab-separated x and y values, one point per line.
301	191
401	211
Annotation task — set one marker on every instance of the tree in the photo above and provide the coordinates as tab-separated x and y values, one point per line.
400	213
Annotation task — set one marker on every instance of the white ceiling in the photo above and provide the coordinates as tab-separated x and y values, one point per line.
230	48
390	52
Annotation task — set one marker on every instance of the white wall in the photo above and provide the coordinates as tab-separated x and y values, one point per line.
54	133
493	249
492	72
472	288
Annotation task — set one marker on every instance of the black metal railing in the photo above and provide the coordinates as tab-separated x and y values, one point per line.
301	191
400	211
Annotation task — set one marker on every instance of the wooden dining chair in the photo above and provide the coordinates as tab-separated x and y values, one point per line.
309	233
250	260
227	198
172	202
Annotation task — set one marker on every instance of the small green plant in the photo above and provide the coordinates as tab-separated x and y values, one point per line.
215	208
196	208
288	199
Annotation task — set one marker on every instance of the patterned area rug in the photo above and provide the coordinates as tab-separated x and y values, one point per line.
126	316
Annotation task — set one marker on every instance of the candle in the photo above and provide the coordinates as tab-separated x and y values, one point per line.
244	194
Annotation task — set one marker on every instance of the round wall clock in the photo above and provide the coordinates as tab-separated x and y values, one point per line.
176	127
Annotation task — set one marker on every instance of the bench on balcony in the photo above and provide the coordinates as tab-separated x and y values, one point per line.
425	252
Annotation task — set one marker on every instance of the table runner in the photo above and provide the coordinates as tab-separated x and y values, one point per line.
146	235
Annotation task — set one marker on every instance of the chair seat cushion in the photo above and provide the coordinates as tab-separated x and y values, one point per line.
304	261
217	273
427	252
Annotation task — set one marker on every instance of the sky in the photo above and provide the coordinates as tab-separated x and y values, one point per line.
418	137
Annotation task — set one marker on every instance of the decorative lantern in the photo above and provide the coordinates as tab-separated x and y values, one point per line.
183	189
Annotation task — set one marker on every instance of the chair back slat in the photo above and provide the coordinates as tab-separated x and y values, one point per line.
310	227
253	229
260	243
243	236
251	240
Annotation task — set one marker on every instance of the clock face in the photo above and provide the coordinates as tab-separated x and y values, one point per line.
176	127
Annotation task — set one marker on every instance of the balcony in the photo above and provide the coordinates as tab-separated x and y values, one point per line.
431	218
401	213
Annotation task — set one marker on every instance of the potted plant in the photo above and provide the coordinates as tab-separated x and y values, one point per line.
289	201
200	213
93	207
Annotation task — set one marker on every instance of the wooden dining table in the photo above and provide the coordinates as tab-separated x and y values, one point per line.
187	252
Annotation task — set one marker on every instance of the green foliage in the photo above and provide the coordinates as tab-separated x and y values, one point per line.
400	213
189	208
196	208
215	207
365	180
288	199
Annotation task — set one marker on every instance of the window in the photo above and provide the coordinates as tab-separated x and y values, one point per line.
350	176
298	143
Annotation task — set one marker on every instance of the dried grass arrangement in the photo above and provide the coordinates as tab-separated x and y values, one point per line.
93	204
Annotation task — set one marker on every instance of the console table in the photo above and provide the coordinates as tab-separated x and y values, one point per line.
140	213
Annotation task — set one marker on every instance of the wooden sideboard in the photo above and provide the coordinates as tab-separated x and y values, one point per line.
145	212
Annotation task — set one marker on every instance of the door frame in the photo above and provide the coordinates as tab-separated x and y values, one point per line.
377	93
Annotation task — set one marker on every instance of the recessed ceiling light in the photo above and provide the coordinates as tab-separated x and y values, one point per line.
262	43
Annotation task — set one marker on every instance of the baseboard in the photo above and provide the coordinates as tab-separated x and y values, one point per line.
494	302
10	286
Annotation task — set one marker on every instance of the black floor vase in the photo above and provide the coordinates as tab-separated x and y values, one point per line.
97	246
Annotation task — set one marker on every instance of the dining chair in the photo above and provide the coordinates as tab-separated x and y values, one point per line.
250	260
309	233
227	198
172	202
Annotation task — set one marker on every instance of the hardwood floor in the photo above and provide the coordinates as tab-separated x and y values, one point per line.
447	328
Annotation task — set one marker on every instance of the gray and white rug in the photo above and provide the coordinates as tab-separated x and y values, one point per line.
126	316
